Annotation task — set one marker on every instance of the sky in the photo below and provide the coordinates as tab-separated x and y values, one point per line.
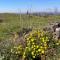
30	5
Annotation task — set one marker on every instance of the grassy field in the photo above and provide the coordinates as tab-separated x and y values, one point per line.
15	22
10	23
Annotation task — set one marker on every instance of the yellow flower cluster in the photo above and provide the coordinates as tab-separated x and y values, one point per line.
37	43
17	50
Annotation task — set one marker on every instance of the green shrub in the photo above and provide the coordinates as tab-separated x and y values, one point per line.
38	43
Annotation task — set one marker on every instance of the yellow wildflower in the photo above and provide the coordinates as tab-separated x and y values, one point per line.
57	43
39	50
32	40
42	51
37	46
32	53
16	52
45	44
33	56
43	40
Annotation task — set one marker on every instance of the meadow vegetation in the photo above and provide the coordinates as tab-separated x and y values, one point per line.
15	22
33	42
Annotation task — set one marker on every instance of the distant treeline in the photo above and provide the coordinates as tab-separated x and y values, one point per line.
42	13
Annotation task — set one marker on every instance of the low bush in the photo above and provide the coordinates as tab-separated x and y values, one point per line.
39	43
